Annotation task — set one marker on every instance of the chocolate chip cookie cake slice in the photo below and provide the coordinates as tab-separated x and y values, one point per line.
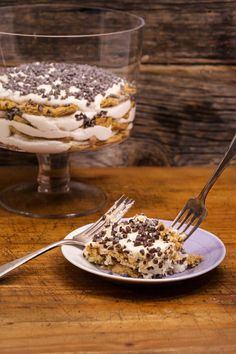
59	107
140	247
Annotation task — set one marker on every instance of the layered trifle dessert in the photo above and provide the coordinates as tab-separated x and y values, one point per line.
60	107
140	247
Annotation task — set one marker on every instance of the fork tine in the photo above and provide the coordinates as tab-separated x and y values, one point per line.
109	211
120	210
101	221
200	220
123	205
194	228
179	215
116	204
194	217
126	206
184	219
117	215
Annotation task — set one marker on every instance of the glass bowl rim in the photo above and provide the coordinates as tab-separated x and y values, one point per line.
132	29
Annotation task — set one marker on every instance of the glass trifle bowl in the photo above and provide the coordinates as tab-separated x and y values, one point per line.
67	84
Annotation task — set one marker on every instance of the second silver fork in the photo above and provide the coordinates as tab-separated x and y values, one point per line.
195	211
116	212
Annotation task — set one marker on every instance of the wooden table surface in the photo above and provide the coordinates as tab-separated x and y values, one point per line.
50	306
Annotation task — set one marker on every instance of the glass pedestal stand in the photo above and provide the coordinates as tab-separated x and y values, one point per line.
55	195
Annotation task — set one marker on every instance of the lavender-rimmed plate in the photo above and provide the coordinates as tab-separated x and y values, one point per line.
202	242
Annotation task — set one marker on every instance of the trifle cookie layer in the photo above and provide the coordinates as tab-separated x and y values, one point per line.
58	107
140	247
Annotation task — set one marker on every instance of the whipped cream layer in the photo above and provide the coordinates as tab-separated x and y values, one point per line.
140	247
51	129
60	85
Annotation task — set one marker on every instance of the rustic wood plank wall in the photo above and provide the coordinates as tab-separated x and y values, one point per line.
187	98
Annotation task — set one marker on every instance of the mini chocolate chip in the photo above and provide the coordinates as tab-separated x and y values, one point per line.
161	227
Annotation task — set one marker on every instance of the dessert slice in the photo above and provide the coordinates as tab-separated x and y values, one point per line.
140	247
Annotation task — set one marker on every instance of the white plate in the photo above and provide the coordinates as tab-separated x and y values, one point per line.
202	242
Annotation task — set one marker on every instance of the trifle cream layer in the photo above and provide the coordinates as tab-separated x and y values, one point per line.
140	247
57	107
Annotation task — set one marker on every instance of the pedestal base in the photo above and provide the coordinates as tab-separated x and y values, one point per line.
24	199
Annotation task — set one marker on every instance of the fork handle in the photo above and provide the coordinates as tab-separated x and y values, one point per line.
231	151
8	267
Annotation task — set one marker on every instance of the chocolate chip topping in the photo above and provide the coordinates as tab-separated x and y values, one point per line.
79	81
144	228
11	113
87	122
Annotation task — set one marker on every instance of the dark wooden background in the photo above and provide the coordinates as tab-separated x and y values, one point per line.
187	100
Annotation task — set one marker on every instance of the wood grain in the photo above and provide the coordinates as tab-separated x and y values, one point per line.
179	31
50	306
187	101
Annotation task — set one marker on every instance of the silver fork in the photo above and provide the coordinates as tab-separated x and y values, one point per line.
115	213
195	211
